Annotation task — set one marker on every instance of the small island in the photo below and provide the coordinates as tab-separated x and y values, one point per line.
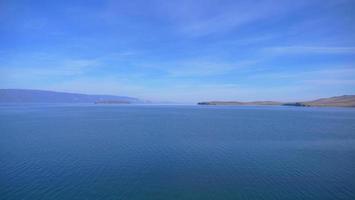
112	102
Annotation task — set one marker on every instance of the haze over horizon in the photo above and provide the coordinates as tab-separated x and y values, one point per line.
182	51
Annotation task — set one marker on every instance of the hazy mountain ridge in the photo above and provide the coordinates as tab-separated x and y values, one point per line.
43	96
338	101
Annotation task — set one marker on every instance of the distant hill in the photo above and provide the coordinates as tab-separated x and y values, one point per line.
339	101
42	96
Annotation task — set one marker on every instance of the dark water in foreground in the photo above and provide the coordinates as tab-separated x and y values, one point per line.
176	152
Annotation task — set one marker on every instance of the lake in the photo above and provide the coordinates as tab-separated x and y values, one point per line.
176	152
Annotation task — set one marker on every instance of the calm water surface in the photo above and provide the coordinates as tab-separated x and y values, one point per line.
176	152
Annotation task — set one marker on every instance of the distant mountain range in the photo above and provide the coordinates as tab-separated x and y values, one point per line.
42	96
338	101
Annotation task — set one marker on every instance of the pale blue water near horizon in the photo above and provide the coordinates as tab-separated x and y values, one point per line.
176	152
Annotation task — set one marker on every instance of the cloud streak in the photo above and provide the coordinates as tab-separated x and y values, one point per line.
195	20
309	50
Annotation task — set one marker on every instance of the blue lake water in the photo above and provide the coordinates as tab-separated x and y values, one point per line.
176	152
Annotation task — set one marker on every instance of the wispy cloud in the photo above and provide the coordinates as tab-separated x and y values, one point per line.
328	71
309	50
195	20
43	65
97	85
200	68
333	80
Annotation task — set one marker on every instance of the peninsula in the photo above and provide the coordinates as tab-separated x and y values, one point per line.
338	101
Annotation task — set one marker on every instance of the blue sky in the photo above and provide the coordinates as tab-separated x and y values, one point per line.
182	51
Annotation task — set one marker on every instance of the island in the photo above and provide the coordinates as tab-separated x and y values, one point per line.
337	101
113	102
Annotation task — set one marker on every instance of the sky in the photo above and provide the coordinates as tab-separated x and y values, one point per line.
180	51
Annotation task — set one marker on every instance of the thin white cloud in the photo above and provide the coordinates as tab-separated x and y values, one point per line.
96	85
44	66
198	67
203	68
322	79
80	63
193	19
330	71
331	82
309	50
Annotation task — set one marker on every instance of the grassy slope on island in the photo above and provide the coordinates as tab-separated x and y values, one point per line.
340	101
